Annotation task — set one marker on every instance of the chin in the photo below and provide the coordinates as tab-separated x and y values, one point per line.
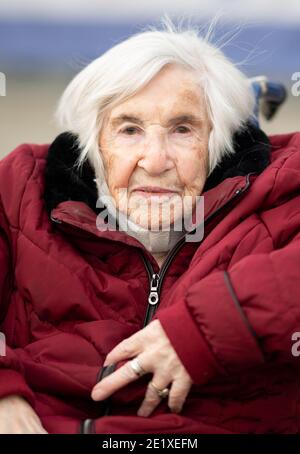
160	223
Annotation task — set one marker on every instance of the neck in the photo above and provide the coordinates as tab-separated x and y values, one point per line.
157	242
160	258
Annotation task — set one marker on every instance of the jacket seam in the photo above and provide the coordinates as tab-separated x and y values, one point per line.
34	164
57	369
267	229
241	311
62	331
74	273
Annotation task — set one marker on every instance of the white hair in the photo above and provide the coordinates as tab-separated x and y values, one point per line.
127	67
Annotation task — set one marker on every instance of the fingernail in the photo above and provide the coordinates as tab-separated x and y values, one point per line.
106	361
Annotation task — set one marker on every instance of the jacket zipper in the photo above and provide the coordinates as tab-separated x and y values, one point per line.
156	279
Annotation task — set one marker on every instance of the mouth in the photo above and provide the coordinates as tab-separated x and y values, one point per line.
152	191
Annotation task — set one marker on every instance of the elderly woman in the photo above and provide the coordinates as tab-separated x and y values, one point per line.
116	319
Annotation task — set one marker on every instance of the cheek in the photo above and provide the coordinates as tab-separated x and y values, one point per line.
192	167
119	165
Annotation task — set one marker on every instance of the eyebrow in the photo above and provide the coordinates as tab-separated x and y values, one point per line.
183	118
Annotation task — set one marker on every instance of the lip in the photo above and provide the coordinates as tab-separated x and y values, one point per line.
154	190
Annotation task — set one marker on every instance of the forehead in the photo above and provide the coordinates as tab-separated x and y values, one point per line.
169	92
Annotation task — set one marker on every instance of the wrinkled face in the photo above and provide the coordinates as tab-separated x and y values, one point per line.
155	149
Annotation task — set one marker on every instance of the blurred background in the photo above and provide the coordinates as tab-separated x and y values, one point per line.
43	44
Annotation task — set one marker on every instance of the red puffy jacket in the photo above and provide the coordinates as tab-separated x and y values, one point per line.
229	303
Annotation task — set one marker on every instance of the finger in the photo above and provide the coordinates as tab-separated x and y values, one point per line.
126	349
34	425
178	394
39	428
152	399
121	377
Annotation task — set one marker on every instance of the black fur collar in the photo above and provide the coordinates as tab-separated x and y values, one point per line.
64	182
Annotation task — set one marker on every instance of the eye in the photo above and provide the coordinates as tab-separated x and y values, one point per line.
182	129
130	130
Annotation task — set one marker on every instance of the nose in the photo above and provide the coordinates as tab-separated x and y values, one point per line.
155	158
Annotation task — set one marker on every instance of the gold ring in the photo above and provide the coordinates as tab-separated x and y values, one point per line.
162	393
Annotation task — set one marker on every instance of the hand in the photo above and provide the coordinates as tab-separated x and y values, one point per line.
18	417
156	355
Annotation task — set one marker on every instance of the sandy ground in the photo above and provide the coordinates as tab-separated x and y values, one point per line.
26	112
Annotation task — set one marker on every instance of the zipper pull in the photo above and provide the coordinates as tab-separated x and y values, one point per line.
153	297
